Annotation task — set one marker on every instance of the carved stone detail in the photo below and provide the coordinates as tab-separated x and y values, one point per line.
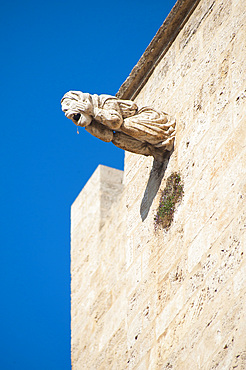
143	131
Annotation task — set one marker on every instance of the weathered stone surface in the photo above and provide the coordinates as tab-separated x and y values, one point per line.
176	299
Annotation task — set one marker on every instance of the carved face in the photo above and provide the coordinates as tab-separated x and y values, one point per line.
72	105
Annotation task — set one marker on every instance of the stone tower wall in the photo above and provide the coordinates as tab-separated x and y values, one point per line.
172	300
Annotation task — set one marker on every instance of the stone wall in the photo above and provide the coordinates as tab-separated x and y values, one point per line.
172	300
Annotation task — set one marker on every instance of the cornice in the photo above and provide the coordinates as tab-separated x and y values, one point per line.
157	48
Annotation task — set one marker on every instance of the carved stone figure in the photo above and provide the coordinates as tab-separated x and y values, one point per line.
143	131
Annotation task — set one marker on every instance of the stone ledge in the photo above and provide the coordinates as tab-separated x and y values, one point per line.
158	46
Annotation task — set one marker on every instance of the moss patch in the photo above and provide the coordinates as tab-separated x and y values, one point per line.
170	196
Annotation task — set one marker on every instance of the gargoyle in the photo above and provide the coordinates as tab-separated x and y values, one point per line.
143	131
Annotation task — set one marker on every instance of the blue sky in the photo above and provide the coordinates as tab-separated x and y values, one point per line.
47	49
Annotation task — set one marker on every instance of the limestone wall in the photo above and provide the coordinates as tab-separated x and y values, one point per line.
176	299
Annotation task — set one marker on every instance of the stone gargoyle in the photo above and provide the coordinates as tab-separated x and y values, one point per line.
143	131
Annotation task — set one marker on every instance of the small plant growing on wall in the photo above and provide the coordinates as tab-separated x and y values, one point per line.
170	196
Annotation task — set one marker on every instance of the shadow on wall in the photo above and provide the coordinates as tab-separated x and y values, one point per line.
155	178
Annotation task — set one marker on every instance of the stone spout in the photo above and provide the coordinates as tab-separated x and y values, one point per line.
145	131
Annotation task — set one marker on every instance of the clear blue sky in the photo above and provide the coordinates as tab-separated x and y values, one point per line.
47	49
